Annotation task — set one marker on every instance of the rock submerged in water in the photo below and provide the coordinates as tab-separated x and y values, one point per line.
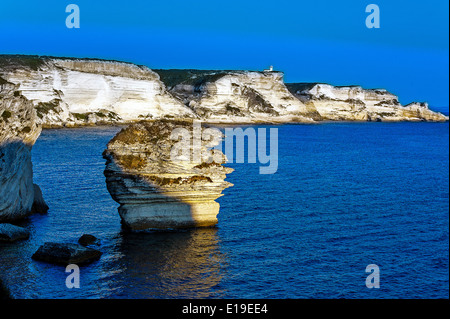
61	253
11	233
87	239
156	192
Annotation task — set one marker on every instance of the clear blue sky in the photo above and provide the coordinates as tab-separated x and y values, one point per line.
311	41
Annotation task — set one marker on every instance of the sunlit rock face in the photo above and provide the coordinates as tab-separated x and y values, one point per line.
353	103
237	96
18	132
72	92
69	92
155	190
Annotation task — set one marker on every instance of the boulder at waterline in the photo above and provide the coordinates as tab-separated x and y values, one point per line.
63	253
10	233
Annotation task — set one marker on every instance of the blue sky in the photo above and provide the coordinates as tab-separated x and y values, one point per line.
311	41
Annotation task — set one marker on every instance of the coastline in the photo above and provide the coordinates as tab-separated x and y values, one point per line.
230	123
241	221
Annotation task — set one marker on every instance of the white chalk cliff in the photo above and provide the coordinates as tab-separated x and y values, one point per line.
76	92
19	197
68	91
353	103
155	189
237	96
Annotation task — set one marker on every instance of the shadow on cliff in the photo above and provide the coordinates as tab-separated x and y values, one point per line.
19	196
146	206
167	264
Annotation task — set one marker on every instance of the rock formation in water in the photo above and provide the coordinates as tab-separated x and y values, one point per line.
66	253
69	91
10	233
88	239
18	131
156	190
353	103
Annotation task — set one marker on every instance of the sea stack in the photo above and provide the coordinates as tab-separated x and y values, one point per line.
156	190
18	132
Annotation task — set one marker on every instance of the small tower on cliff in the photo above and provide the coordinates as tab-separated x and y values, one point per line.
270	69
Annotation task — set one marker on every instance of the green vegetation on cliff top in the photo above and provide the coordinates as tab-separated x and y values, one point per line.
174	77
34	62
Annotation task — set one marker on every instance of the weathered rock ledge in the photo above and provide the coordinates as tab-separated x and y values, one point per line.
157	191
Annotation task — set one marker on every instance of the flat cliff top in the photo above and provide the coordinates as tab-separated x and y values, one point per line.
35	61
302	86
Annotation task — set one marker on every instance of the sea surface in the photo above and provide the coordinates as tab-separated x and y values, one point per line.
345	195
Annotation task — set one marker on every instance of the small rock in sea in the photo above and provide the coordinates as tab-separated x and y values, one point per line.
88	239
12	233
61	253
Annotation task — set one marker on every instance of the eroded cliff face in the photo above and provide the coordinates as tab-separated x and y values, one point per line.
237	96
353	103
155	190
69	92
18	132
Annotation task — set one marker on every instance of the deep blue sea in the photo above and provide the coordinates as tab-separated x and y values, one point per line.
345	195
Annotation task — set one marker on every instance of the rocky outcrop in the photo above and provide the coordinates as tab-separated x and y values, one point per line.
237	96
156	189
88	239
18	132
69	92
63	253
353	103
10	233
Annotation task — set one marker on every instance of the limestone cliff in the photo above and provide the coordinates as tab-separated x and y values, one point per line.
353	103
69	91
156	190
88	91
18	132
237	96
